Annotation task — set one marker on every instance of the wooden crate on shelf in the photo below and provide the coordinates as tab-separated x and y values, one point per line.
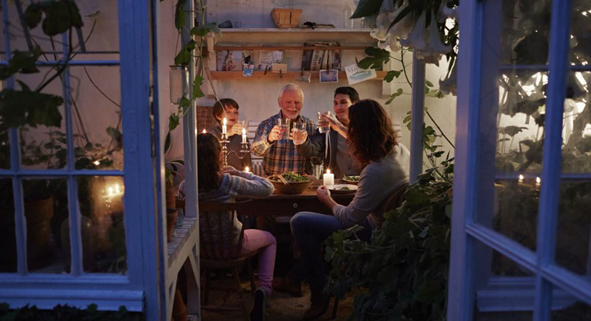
286	18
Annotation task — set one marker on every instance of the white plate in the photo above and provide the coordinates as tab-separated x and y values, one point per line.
342	188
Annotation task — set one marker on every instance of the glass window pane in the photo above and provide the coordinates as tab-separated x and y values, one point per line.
492	301
568	308
100	29
4	148
520	121
7	228
574	227
515	210
96	108
42	136
103	231
576	132
580	53
46	213
526	32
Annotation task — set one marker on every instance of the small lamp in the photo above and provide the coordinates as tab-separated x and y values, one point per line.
179	83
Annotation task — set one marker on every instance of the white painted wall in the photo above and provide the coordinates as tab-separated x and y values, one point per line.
258	99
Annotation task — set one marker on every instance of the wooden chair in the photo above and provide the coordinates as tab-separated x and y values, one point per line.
218	253
393	201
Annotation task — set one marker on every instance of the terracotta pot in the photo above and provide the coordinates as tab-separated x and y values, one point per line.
179	309
171	215
171	194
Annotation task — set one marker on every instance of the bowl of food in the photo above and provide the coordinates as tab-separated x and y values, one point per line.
351	179
290	182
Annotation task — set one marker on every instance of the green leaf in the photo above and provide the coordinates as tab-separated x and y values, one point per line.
33	15
185	103
428	292
179	15
18	108
377	57
173	122
203	30
367	8
394	95
184	56
60	16
512	130
197	92
114	133
391	75
21	61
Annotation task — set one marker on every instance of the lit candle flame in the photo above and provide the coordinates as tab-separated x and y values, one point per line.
538	181
117	190
204	131
225	122
328	171
246	169
97	163
243	131
521	178
110	191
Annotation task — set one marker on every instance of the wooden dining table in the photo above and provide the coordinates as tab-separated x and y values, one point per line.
288	205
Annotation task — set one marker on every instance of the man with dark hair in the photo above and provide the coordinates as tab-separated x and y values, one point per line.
331	146
228	108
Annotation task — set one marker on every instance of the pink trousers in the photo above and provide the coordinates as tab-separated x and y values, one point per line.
258	239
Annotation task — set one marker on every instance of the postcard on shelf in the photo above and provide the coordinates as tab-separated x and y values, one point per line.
269	57
277	68
229	60
356	75
248	70
328	76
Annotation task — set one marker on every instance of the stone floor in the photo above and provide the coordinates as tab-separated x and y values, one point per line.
280	306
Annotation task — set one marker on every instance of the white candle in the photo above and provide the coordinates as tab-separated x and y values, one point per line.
328	178
224	127
244	136
246	169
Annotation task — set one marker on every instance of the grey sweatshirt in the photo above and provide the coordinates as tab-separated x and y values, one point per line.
377	181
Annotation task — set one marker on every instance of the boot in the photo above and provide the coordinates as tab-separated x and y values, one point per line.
258	308
320	301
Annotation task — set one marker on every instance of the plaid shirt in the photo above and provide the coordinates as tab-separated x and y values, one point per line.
281	155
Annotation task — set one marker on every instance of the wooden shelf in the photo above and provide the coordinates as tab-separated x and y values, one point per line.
289	76
293	30
229	47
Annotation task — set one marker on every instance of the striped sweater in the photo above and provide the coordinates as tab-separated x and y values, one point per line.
240	184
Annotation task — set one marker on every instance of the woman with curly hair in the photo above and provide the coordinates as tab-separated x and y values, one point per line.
385	169
219	185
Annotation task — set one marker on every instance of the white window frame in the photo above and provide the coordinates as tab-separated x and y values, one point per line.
471	242
138	290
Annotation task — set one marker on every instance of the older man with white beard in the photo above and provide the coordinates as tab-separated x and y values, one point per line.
277	148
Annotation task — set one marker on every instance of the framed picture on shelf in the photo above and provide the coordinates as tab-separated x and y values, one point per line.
329	76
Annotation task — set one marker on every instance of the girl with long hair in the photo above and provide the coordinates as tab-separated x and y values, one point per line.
223	185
